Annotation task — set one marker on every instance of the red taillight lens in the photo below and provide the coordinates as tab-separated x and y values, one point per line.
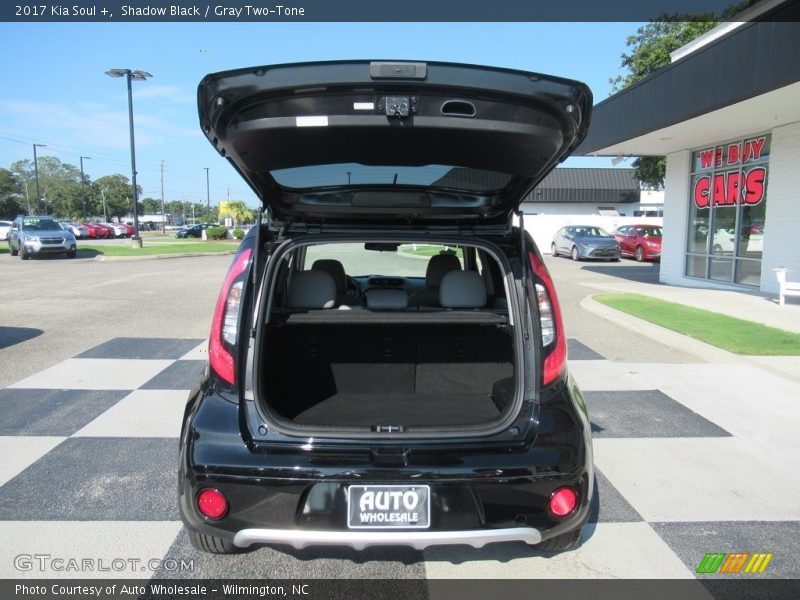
224	327
562	502
553	335
212	503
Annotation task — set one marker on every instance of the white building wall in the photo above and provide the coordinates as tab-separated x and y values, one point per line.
676	215
782	222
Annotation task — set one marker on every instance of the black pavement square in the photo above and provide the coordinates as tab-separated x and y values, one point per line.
97	479
279	562
142	348
578	351
645	413
609	505
180	375
52	412
691	542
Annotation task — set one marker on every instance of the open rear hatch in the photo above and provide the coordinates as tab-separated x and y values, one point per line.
392	142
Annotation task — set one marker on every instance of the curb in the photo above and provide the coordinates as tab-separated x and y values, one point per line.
701	350
103	258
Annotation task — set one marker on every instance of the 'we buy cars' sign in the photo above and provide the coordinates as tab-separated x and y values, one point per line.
732	180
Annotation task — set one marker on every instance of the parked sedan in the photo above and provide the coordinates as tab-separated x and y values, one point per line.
585	242
642	242
117	230
78	230
100	231
194	230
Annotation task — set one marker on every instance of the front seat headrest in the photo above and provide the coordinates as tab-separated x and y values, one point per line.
439	266
312	289
333	268
462	289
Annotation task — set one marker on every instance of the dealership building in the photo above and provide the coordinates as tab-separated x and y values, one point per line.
726	114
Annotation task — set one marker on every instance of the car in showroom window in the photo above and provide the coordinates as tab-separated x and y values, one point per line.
387	357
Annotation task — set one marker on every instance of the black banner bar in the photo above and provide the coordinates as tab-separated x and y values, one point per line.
278	11
742	588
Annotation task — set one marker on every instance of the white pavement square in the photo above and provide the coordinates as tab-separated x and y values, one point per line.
21	451
111	549
143	413
698	479
609	550
95	374
602	375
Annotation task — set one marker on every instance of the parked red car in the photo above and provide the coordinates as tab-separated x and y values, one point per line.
103	231
94	231
129	229
642	242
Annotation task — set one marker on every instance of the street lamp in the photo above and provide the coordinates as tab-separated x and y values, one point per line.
136	241
83	186
36	175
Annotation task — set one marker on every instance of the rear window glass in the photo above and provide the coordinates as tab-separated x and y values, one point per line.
353	174
410	260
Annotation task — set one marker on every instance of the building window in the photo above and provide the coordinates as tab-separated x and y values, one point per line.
728	203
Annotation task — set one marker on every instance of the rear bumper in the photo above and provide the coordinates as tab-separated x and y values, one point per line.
358	540
298	495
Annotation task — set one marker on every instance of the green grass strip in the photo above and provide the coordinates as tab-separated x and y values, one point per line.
729	333
150	249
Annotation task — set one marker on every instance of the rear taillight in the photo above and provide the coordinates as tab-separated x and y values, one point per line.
554	341
225	326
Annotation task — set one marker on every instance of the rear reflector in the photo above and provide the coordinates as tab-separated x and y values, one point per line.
212	503
562	502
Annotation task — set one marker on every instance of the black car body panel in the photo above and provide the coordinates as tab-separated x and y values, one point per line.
493	134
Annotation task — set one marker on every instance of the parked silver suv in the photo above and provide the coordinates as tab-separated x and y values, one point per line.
31	235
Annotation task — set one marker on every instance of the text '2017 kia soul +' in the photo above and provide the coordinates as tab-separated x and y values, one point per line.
387	359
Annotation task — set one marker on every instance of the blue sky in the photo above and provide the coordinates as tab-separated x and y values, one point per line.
54	90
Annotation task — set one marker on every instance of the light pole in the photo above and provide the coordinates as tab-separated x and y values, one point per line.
208	195
136	241
83	186
36	175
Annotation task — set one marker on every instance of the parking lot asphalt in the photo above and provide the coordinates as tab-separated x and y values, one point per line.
689	460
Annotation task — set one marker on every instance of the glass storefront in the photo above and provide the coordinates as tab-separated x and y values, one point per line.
728	203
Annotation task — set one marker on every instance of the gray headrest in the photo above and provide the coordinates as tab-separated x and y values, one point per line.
333	268
462	289
439	266
312	289
387	300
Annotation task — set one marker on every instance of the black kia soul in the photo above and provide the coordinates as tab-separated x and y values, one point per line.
387	359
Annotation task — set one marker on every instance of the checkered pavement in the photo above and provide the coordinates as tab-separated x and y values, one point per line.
687	463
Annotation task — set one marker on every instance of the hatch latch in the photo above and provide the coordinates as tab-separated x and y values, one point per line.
399	106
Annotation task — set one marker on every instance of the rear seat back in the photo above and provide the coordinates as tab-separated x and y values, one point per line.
387	300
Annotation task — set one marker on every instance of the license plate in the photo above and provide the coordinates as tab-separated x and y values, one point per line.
389	506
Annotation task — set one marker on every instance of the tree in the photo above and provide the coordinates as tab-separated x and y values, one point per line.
650	49
59	186
117	192
238	211
12	197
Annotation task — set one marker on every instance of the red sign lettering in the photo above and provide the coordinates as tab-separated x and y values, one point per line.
701	191
733	154
730	188
706	159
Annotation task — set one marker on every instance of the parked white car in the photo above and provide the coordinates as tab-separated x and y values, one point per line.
5	227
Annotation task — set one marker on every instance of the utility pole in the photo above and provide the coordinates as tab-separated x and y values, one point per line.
36	174
208	194
28	197
105	215
163	212
83	186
